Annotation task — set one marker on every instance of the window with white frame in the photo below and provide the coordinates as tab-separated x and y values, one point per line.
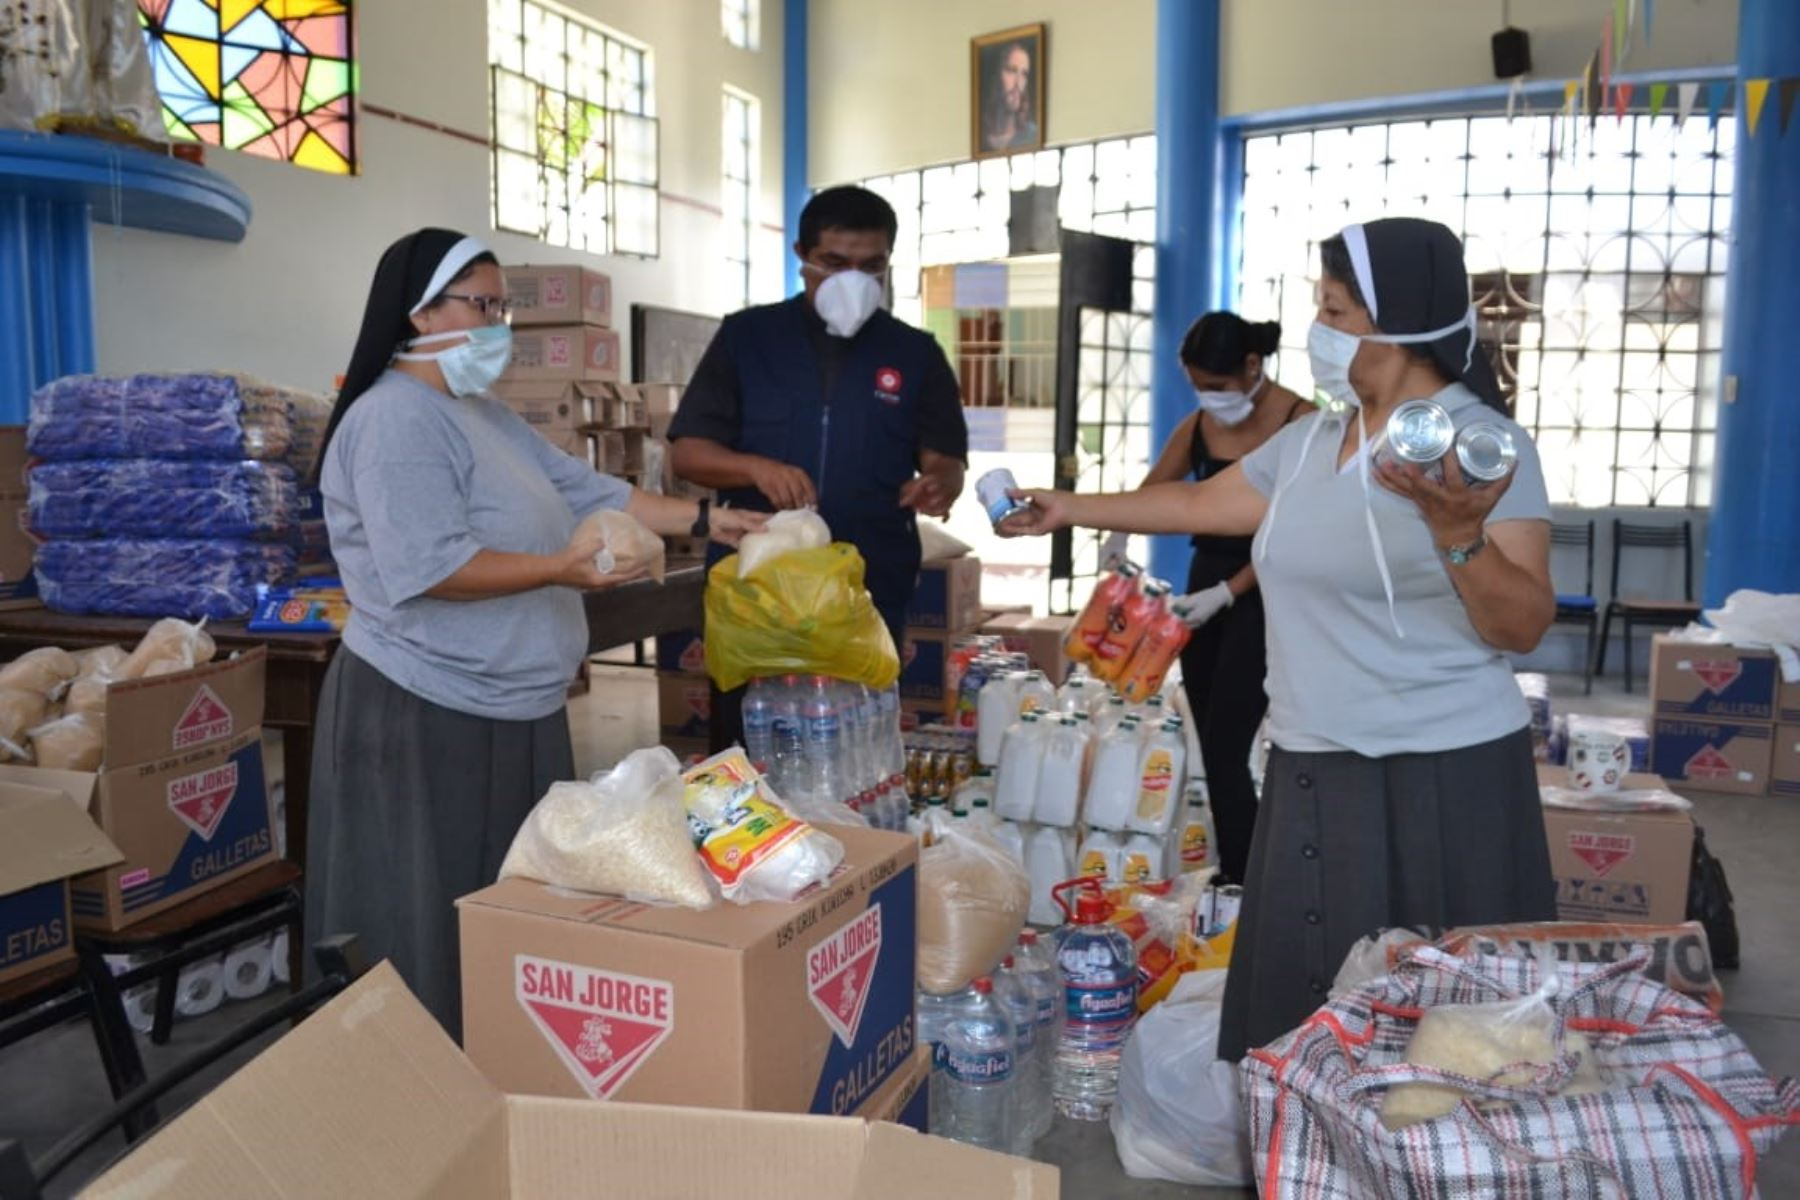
742	22
739	135
1597	256
575	137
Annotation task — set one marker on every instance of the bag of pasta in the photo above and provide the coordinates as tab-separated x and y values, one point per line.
806	613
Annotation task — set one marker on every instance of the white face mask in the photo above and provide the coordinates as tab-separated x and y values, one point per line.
1331	352
1230	408
473	367
847	299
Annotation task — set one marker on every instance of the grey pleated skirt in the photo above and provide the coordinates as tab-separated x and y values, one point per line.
414	805
1347	845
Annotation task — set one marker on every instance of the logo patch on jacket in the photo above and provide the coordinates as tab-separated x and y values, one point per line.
888	382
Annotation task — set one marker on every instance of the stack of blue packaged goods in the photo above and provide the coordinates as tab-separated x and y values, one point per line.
165	495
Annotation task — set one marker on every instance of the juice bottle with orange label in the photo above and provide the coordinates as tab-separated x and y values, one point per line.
1161	772
1125	628
1162	643
1114	588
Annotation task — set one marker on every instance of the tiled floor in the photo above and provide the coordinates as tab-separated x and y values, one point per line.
48	1085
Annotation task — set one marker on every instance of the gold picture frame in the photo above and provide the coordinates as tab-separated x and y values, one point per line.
1006	91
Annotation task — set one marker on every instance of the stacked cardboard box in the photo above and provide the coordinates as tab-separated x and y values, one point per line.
683	692
1627	867
1716	710
44	839
1038	638
945	607
660	402
564	353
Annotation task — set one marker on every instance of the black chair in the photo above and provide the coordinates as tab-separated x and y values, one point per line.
1634	611
1579	608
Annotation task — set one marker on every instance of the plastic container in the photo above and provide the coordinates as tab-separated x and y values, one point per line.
1016	999
933	1016
1036	964
1058	799
1011	836
1021	762
1099	978
1112	792
1082	642
998	708
1143	859
1163	641
1162	770
1102	857
1191	848
980	1052
1036	694
1049	862
1126	629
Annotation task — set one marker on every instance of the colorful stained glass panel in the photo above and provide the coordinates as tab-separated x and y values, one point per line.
274	78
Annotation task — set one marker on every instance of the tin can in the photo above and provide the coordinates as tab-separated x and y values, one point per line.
1419	432
915	773
962	765
942	783
991	490
1486	453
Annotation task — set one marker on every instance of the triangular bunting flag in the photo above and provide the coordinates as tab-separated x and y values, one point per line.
1790	89
1620	27
1570	90
1686	96
1622	99
1649	20
1715	101
1659	96
1606	55
1756	93
1593	95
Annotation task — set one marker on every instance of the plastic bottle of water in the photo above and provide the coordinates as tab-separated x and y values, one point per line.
1048	861
823	733
979	1070
868	735
759	720
1058	800
1016	1000
1109	714
1036	694
934	1013
787	742
1099	979
1036	964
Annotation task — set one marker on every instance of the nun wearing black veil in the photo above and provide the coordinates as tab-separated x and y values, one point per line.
1401	788
454	526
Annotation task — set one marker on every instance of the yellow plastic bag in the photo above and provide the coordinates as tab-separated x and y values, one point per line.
806	613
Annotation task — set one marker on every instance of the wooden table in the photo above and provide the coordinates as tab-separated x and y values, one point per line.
298	661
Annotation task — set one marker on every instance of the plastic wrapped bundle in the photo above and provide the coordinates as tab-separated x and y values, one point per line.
152	498
159	577
221	417
308	415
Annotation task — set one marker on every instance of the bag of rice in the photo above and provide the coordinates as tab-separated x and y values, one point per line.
752	844
72	743
625	833
20	710
630	547
796	529
46	670
170	646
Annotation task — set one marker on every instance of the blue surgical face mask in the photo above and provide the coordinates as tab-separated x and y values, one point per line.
472	367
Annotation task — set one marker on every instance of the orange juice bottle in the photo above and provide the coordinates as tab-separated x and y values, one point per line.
1125	628
1084	637
1162	643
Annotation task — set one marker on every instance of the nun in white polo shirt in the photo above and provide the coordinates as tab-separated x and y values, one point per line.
1401	790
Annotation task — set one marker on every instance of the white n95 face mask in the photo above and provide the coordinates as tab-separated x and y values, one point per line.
847	299
473	367
1231	408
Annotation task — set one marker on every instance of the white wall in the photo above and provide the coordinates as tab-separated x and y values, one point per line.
286	303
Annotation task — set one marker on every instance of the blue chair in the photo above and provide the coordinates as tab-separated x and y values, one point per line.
1579	608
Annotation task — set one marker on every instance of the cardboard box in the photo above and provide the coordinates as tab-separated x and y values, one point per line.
45	838
622	407
1697	679
564	354
1038	638
369	1098
1549	775
681	653
684	705
560	412
801	1007
661	400
948	597
1716	756
906	1098
925	668
182	792
1625	867
567	295
1784	770
621	451
18	585
1787	703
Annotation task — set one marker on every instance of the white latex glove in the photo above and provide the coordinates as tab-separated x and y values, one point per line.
1112	550
1197	608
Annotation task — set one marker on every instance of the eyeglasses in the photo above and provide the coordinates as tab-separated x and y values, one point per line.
497	309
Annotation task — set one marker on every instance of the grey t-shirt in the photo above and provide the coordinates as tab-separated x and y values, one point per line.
416	482
1339	676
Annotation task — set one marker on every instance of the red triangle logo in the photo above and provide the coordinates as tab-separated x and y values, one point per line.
205	720
693	657
1717	676
1602	851
200	801
1709	764
839	970
603	1025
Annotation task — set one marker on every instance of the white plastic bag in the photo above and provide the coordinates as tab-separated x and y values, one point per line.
625	833
1178	1116
1754	619
752	843
43	72
1368	959
796	529
973	900
170	646
629	548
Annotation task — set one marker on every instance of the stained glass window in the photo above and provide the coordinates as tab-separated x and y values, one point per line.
268	77
575	143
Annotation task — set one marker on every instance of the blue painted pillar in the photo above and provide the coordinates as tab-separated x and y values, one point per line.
46	297
1753	538
794	192
1187	232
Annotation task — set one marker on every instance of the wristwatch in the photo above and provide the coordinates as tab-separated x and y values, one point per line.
1460	555
703	522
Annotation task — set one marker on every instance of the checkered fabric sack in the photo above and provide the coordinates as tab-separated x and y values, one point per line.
1686	1116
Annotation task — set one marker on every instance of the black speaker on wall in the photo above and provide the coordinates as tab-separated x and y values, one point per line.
1512	53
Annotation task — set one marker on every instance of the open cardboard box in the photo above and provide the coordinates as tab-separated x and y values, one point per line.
370	1098
45	838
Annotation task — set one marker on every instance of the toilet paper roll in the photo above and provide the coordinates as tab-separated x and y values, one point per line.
140	1007
248	970
200	988
278	955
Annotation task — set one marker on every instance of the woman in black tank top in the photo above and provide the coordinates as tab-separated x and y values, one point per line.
1239	408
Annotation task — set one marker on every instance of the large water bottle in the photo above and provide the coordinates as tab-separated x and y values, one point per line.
1058	798
823	732
1036	964
979	1070
934	1013
1112	792
759	721
787	739
895	762
1048	861
1015	998
1099	978
1021	762
852	766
